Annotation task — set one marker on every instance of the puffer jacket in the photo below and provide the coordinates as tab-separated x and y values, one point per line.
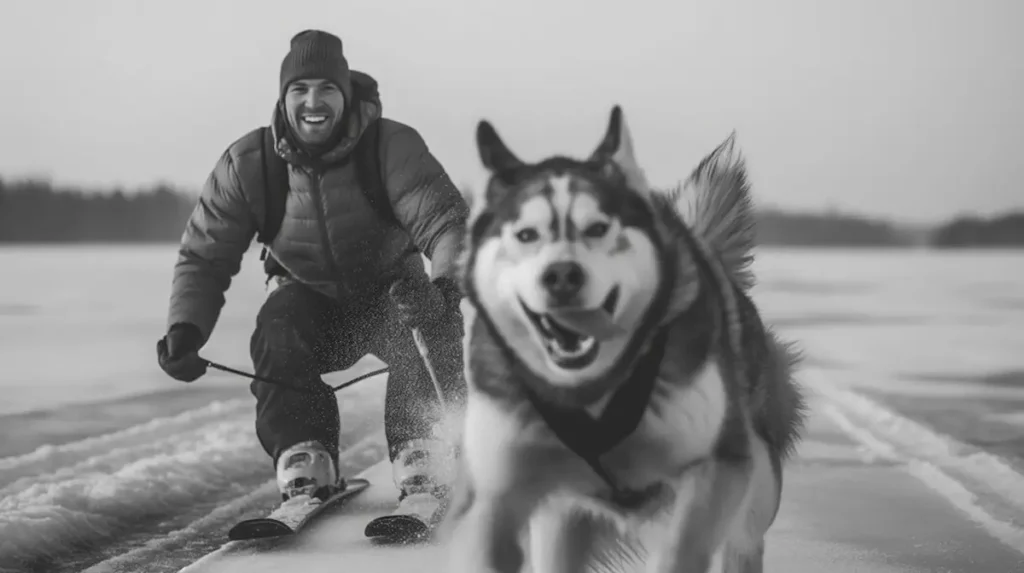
331	237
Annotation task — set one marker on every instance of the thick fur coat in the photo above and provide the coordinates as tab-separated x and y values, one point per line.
626	402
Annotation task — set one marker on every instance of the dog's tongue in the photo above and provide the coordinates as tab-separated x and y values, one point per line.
595	322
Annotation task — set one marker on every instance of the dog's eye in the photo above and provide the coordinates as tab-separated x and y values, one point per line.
527	235
596	230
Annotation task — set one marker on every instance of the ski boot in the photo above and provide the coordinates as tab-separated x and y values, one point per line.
306	469
306	477
423	472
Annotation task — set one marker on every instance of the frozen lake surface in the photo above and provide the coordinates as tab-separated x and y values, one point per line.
106	462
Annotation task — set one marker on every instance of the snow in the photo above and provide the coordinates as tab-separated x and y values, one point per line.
846	509
157	478
943	483
82	498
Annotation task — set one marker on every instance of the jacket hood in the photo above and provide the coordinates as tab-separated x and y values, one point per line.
364	107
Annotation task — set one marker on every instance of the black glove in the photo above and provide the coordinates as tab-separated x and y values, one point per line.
178	352
420	303
451	292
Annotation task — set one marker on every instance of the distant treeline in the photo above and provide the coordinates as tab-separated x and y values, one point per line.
1003	231
830	229
37	212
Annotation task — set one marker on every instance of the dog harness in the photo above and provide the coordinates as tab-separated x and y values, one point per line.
590	438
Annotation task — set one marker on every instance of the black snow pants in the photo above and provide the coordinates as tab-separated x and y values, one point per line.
302	334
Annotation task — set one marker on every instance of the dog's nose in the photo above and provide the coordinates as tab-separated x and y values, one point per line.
563	279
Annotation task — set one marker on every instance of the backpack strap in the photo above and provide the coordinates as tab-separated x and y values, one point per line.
370	174
275	191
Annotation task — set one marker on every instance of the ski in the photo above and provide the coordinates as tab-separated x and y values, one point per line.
414	520
398	528
296	514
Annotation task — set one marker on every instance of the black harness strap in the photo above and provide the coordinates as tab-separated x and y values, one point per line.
590	438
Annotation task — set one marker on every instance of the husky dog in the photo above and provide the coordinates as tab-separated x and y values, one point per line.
620	378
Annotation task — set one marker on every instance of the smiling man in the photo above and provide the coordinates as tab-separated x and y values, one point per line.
314	125
350	277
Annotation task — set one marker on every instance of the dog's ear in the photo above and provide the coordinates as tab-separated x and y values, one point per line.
617	149
494	154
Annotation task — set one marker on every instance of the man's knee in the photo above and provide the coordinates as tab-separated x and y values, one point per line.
292	304
287	328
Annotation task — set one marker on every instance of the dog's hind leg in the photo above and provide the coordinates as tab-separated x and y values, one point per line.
744	549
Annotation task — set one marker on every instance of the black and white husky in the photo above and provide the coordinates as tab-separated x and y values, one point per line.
625	399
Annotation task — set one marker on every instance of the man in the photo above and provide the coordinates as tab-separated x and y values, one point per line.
338	262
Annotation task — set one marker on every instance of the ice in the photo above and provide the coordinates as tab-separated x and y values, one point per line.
88	481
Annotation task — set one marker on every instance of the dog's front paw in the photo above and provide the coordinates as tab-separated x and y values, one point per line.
695	562
504	558
483	543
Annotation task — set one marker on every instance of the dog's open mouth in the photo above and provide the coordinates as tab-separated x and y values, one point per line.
573	337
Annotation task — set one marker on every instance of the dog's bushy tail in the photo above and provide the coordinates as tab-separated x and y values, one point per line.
715	204
782	407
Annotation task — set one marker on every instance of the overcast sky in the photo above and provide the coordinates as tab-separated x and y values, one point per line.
905	108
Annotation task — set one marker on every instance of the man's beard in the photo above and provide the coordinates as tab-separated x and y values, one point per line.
318	148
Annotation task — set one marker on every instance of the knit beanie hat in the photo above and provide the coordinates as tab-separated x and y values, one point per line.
316	54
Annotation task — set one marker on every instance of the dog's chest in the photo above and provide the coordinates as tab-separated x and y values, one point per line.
680	425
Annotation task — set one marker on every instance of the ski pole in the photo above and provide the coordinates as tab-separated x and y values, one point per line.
341	386
421	346
404	289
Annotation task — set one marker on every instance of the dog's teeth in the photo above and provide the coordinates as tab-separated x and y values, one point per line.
587	344
546	323
582	348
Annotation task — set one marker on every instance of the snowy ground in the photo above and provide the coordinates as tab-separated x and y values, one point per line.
106	463
851	504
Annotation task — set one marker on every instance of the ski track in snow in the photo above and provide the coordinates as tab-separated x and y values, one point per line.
982	486
15	471
77	502
360	455
80	494
84	498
